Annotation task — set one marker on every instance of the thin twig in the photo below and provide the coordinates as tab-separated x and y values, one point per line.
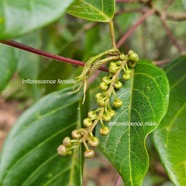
171	36
46	54
133	28
176	17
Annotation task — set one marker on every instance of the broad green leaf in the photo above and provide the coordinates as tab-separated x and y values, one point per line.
93	10
29	156
8	64
145	100
169	137
20	16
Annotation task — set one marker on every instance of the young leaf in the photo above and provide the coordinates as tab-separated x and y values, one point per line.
93	10
169	137
20	17
29	156
8	64
145	100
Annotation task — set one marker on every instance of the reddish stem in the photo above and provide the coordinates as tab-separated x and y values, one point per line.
46	54
133	28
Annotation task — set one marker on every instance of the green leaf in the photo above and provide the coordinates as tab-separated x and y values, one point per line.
169	137
8	64
29	156
145	100
93	10
20	16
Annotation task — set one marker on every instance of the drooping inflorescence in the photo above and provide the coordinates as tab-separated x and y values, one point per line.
120	65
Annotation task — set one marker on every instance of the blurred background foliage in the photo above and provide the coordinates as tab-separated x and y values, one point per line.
80	39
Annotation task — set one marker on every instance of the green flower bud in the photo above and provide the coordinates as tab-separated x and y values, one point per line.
113	69
67	142
131	64
93	141
106	117
82	131
89	154
112	64
92	114
87	122
99	95
106	79
118	85
134	57
105	93
104	130
62	150
112	113
130	52
117	103
101	102
118	63
76	134
126	76
103	86
122	57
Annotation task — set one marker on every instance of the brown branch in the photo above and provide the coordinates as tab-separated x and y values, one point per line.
171	36
46	54
133	28
176	17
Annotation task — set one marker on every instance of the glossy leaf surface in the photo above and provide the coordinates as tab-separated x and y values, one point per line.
93	10
169	137
145	100
29	156
20	16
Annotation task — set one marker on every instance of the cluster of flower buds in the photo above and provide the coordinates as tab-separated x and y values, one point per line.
104	113
79	136
66	147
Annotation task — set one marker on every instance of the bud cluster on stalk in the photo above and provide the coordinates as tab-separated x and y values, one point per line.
106	109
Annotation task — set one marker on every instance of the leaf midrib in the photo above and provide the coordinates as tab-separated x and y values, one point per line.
130	110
